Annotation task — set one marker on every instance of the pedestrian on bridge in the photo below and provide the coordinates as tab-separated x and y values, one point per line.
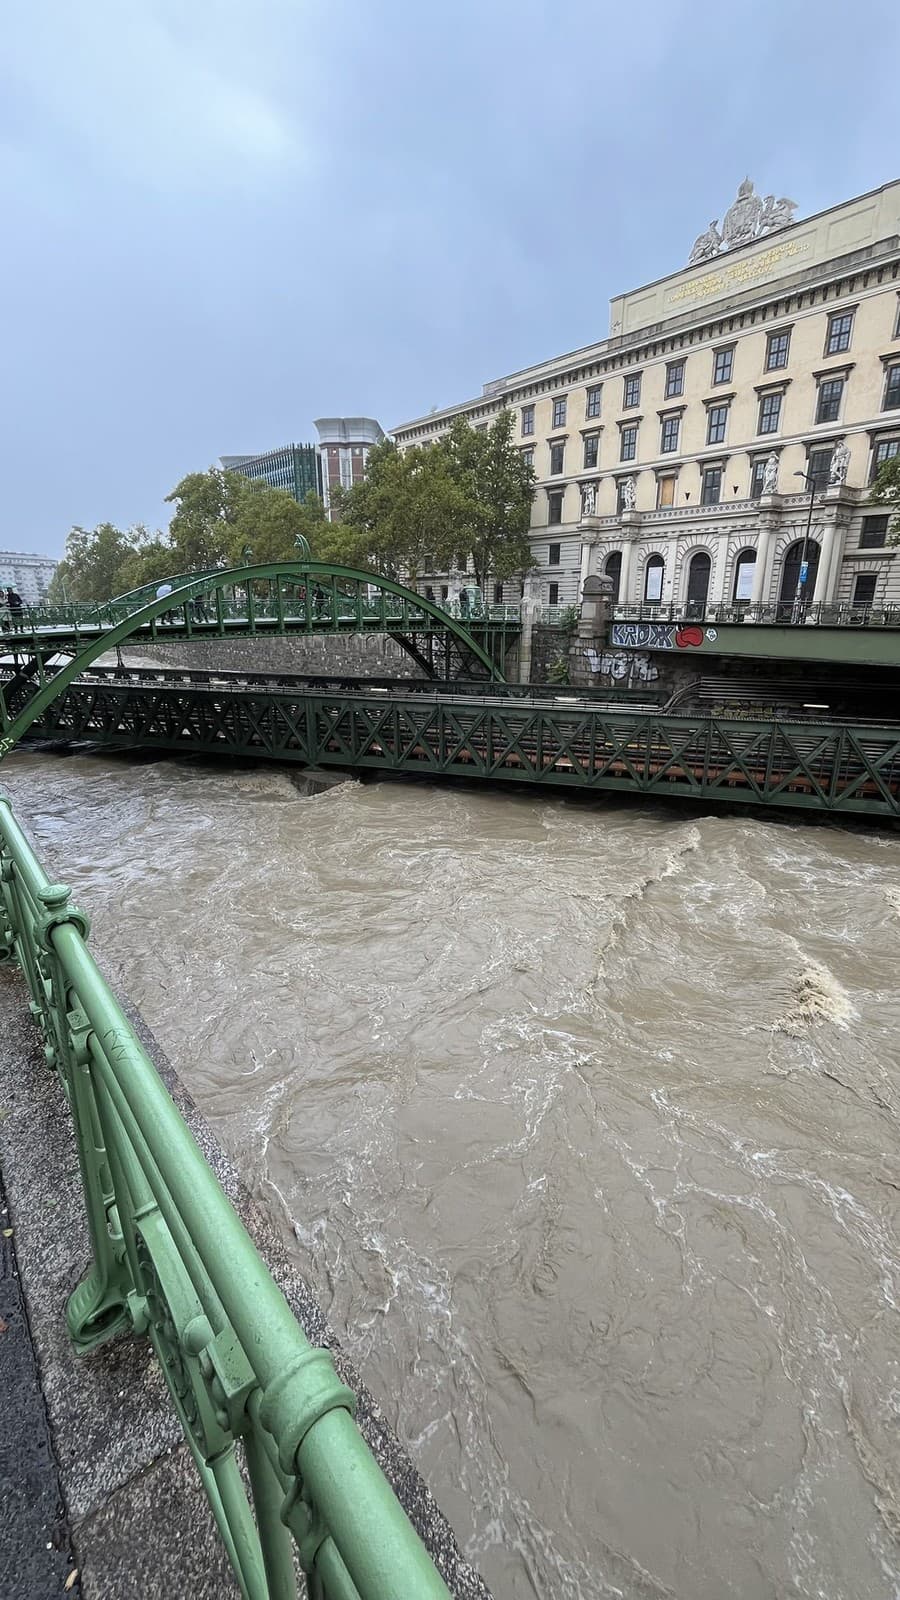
15	603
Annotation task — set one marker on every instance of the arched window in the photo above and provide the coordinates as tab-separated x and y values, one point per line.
697	583
653	580
744	571
790	576
612	568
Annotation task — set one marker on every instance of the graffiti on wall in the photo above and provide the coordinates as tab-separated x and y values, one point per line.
625	668
660	636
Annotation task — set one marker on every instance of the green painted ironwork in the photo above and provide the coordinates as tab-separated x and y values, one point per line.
835	767
51	646
172	1261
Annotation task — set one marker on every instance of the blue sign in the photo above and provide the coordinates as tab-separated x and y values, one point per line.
804	568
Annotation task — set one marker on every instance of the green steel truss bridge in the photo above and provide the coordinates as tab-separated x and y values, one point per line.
496	733
49	647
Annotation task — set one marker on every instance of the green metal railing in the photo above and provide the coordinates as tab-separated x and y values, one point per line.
172	1261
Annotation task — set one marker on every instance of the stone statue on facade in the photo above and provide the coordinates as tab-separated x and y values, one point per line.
776	214
589	500
706	246
770	475
840	461
629	494
740	225
748	218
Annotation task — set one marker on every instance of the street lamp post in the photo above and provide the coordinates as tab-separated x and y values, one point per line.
797	615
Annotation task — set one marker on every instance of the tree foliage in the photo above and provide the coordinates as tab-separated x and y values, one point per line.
466	497
886	492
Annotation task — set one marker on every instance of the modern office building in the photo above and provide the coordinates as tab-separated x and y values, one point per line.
338	459
344	445
294	467
29	575
677	455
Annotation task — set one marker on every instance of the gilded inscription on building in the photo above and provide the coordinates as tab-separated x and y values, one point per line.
739	272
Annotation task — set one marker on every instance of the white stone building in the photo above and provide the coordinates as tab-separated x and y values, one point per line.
28	575
676	455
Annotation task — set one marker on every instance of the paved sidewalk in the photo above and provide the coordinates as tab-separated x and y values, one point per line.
35	1544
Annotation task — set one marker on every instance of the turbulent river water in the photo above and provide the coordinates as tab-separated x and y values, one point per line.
585	1122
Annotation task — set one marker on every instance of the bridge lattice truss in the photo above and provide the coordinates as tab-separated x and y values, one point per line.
47	648
832	767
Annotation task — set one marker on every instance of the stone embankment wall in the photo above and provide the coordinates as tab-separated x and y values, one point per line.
367	655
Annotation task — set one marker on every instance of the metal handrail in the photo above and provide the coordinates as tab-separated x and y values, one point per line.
172	1261
840	615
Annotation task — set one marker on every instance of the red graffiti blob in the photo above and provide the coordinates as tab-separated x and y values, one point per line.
686	637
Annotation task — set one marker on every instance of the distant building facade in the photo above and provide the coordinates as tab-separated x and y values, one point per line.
344	445
337	460
675	456
29	575
294	467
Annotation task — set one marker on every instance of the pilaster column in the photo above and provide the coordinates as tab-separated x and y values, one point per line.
762	572
627	575
716	595
822	591
587	546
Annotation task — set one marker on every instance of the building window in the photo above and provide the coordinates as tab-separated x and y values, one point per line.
674	379
553	555
757	477
592	401
559	413
864	588
891	389
665	491
528	419
716	423
744	569
445	591
873	533
591	447
769	413
818	466
897	322
429	592
669	435
554	594
887	450
631	395
711	490
778	350
498	594
628	446
557	457
653	580
554	506
613	570
840	328
528	456
723	365
829	403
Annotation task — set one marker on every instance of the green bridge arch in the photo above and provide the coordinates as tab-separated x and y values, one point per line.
56	637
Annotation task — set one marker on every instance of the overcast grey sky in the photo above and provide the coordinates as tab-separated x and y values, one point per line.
224	219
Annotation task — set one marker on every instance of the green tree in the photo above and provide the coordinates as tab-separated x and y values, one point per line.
150	563
886	492
497	490
205	517
92	562
270	522
409	505
467	496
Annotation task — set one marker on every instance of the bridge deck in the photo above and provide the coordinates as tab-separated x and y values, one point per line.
560	740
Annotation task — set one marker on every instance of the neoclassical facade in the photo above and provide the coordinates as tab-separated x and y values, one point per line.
678	455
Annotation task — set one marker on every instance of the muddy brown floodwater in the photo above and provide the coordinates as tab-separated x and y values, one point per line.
585	1122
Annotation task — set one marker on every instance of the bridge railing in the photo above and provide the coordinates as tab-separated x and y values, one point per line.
830	616
172	1261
